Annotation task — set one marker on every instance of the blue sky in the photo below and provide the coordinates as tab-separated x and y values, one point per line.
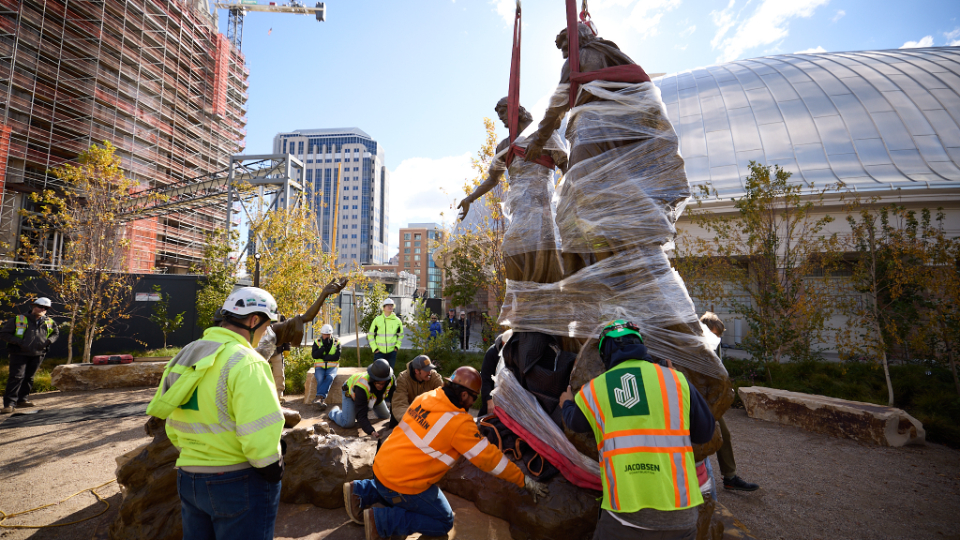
420	76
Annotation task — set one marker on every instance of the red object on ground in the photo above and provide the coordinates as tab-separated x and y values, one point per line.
702	476
575	474
107	359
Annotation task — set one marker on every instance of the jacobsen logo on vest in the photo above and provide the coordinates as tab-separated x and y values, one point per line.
646	468
627	395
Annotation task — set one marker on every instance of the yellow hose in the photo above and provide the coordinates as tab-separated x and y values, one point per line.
6	516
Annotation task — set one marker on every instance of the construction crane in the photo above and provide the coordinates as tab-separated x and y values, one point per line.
237	11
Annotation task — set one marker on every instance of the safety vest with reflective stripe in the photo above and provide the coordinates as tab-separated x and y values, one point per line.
220	403
362	380
323	364
22	323
640	414
429	439
387	333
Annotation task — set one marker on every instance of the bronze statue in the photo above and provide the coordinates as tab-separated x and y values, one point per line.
531	246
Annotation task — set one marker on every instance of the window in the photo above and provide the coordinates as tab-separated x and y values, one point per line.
407	244
344	236
345	207
356	188
354	207
352	236
407	265
354	226
416	257
406	236
353	245
346	188
416	250
406	257
353	256
416	271
416	244
346	197
416	236
355	197
347	226
406	250
355	169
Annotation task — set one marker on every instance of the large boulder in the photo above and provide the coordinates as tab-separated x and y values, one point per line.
864	422
318	464
67	377
290	417
148	482
335	396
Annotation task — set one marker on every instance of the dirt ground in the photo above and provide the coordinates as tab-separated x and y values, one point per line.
812	486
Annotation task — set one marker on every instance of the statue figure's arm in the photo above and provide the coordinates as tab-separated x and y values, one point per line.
559	105
494	174
333	287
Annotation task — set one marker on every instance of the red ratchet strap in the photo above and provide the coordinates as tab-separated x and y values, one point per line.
513	101
630	73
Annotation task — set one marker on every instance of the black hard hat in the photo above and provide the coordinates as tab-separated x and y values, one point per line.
380	370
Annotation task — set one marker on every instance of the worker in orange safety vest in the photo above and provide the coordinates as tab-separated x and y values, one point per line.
434	432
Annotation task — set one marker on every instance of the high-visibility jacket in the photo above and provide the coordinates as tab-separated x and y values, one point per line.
362	380
431	436
332	350
387	333
640	414
220	403
22	324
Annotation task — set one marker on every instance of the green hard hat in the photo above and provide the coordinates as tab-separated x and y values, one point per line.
619	328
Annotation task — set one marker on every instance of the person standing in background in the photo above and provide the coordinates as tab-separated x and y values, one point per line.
28	339
463	325
385	334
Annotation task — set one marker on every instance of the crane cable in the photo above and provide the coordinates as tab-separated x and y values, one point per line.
5	516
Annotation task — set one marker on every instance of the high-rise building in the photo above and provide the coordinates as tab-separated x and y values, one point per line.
417	242
349	185
153	77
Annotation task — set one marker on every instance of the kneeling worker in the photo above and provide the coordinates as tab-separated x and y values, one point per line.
419	378
364	391
222	412
434	432
647	417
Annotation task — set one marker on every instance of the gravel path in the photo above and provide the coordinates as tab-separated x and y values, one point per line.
814	486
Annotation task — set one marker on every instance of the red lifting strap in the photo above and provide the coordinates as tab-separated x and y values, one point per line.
630	73
513	100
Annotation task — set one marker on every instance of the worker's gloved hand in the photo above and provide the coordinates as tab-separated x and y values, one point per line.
535	488
272	473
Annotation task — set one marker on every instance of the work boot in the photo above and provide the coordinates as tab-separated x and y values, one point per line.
352	503
322	402
7	410
24	403
370	528
738	484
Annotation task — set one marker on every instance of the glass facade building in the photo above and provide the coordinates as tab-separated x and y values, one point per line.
876	120
358	197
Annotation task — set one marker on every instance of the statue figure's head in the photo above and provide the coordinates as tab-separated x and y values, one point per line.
525	116
585	34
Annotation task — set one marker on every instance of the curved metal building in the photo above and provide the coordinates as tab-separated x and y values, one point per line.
876	120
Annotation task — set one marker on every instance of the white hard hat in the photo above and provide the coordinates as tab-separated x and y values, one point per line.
388	301
42	301
326	329
249	300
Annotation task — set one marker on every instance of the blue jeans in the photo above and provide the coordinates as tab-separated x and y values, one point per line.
347	416
427	513
324	380
238	504
390	357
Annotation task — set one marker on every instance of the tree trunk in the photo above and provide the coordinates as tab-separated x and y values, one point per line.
87	343
953	369
73	322
886	373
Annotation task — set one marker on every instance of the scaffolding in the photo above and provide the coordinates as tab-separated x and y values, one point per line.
152	77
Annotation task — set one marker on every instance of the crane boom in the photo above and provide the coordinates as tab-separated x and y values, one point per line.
237	11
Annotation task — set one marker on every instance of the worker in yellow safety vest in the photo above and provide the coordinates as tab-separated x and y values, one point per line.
222	412
326	363
432	435
364	391
385	334
28	338
645	418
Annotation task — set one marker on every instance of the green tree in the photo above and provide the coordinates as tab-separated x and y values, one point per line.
374	293
95	287
768	263
161	316
219	275
442	347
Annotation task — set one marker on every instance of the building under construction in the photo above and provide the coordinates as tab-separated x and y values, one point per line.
153	77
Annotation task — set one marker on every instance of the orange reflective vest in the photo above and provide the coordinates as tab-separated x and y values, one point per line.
431	436
640	414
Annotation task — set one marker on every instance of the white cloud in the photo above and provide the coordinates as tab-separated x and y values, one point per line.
838	16
925	41
646	15
952	36
422	188
817	49
690	30
506	9
767	24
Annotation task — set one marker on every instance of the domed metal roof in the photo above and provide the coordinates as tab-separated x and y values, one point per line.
873	119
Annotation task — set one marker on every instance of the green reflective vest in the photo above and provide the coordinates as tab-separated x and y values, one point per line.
640	414
220	403
362	380
22	323
323	364
387	333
